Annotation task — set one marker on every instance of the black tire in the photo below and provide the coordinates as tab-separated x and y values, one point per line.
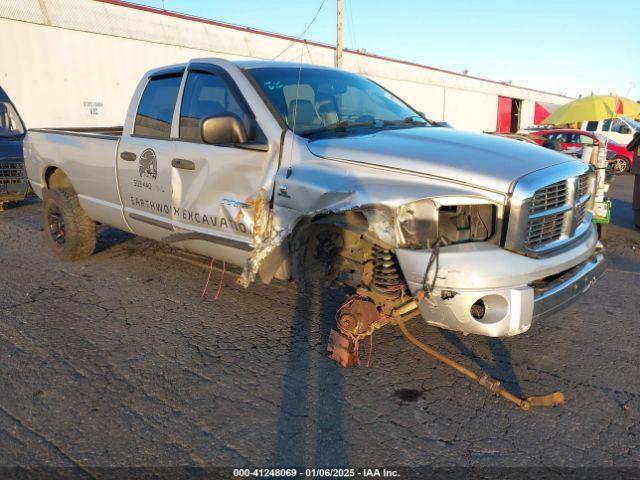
70	232
620	165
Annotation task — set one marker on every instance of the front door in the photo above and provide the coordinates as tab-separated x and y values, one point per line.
618	130
216	187
144	160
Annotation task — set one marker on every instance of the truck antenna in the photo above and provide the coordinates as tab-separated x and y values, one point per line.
295	112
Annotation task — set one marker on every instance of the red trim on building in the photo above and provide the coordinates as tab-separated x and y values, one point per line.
542	110
540	113
503	124
231	26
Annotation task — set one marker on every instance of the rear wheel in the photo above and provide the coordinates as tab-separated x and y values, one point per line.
620	165
70	232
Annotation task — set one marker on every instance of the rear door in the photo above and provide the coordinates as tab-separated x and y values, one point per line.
215	186
144	158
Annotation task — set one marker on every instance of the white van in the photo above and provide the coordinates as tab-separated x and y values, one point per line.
622	130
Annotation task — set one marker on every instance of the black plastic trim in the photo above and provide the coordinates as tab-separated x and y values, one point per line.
150	221
227	242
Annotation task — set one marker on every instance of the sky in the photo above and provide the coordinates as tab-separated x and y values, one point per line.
571	47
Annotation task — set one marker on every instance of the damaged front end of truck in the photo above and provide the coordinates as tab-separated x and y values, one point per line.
352	240
466	258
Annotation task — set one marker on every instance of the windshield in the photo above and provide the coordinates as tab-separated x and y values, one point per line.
633	123
312	100
10	124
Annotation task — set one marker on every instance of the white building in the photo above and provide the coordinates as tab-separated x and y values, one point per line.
75	63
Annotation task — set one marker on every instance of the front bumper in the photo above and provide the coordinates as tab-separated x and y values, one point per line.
14	184
563	290
514	289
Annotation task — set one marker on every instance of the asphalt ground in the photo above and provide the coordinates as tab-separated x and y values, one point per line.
118	361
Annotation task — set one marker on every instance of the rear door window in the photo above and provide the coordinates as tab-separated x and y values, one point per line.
592	126
155	110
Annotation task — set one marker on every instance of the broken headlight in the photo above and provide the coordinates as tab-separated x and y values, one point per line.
421	223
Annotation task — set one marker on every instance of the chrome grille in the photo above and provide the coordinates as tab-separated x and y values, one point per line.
581	213
12	173
551	196
543	230
582	188
549	209
555	212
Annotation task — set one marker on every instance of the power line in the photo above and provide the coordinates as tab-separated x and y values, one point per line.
306	29
352	32
339	34
352	28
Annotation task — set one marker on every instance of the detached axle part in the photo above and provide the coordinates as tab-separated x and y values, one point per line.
359	317
550	400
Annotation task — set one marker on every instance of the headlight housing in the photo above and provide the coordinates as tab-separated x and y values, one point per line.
457	219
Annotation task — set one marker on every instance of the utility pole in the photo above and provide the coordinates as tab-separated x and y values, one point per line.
339	34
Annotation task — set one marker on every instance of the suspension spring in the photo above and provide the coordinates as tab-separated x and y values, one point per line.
386	275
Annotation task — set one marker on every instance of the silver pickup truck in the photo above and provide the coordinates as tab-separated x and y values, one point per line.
294	171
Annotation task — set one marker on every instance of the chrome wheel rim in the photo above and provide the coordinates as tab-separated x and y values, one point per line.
619	166
55	222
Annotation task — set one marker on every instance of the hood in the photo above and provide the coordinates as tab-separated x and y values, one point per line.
481	160
10	148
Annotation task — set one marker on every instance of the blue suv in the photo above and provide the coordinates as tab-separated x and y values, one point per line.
13	180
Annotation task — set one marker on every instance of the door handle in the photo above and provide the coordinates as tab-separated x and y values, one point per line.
128	156
183	164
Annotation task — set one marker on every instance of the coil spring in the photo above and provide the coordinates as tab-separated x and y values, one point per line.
386	275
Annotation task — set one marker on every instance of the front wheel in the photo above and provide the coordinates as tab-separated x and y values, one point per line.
70	232
620	165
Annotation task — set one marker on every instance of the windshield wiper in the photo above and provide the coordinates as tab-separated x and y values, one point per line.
409	121
341	126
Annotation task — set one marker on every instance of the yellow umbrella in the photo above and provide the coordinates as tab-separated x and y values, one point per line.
595	107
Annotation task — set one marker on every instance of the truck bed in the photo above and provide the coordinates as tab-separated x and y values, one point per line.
87	156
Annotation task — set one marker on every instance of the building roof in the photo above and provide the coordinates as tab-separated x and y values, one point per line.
241	28
250	64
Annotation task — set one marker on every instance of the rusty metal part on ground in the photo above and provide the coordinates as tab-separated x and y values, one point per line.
359	317
343	350
550	400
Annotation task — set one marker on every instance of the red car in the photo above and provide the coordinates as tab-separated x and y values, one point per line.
576	139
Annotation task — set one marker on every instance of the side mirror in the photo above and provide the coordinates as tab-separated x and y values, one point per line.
222	129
